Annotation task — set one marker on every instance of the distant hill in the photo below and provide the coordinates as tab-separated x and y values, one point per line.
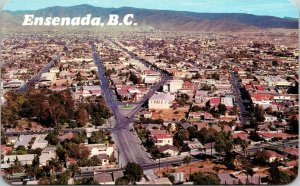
164	20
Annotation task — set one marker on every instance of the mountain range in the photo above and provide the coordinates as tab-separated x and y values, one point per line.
163	20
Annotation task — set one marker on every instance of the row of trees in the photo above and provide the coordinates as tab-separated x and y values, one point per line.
52	108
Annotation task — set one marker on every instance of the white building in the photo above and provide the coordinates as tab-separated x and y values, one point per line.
173	86
269	118
228	101
40	142
161	100
276	81
97	149
24	159
46	155
163	139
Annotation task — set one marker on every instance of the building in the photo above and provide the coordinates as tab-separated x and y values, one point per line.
269	118
173	86
24	159
97	149
169	150
161	100
40	142
163	139
46	155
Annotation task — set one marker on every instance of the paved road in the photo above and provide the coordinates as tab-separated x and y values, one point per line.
129	148
236	90
129	145
43	70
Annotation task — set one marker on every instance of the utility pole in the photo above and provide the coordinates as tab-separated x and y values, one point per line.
159	163
118	155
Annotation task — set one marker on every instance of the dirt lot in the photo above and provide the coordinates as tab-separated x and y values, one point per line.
170	114
205	166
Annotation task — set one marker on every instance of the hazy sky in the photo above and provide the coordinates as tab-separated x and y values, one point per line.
279	8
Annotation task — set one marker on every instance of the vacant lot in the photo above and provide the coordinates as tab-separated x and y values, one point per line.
170	114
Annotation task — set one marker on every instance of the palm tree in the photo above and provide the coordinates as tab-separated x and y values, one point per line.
53	163
17	165
210	137
244	145
74	169
35	165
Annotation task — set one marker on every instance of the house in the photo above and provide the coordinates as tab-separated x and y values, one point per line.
161	100
163	139
11	140
47	79
227	101
168	149
194	145
292	151
178	176
214	102
24	159
272	156
65	136
147	114
40	142
5	149
201	115
97	149
25	140
47	154
269	118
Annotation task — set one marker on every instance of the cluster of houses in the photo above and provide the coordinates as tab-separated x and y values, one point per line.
130	78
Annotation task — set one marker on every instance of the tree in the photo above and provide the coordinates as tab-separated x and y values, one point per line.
261	157
134	79
187	159
122	181
97	136
259	113
197	76
78	138
293	125
182	135
63	178
82	116
192	132
279	177
74	169
17	166
52	138
35	165
79	77
200	178
244	145
196	108
79	151
222	108
224	142
53	164
85	181
134	172
207	136
215	76
235	110
248	169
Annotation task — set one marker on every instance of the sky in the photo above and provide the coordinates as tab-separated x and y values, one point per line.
278	8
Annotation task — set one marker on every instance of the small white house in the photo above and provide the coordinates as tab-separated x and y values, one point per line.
269	118
161	100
